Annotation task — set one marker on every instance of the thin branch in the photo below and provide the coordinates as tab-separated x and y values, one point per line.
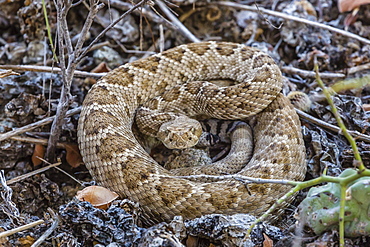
108	28
21	228
65	43
49	69
334	110
357	135
64	7
56	221
311	74
176	22
39	141
94	8
118	4
7	73
32	126
244	179
295	18
359	68
30	174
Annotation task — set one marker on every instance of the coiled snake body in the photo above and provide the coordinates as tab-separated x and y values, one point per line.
117	161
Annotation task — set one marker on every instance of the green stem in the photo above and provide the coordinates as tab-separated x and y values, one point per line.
49	30
341	125
342	204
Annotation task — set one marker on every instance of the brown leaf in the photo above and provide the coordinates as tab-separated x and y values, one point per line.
98	196
267	242
366	107
350	19
102	67
348	5
39	151
73	156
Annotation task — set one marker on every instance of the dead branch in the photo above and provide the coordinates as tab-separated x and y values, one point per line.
182	29
49	231
49	69
32	126
295	18
357	135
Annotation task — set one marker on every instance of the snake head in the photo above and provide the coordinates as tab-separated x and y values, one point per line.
180	133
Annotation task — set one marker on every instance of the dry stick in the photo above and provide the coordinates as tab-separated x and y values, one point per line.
176	22
7	73
61	170
49	231
75	56
108	28
357	135
285	69
244	179
358	68
297	19
21	228
32	126
30	174
126	6
311	74
65	43
49	69
38	141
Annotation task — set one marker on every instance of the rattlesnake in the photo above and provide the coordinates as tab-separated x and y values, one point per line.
117	161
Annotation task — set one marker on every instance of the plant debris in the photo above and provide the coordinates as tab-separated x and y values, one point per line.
30	95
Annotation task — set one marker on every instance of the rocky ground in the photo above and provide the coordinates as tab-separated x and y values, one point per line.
33	94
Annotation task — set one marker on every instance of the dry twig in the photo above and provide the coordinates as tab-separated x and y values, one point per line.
21	228
295	18
357	135
30	174
49	231
183	30
49	69
32	126
69	61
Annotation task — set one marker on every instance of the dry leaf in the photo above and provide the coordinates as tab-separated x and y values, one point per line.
98	196
348	5
267	242
350	19
102	67
39	151
26	241
366	107
73	155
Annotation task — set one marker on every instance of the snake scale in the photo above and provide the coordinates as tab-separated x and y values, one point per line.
117	161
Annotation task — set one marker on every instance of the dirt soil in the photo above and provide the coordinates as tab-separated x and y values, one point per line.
32	96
